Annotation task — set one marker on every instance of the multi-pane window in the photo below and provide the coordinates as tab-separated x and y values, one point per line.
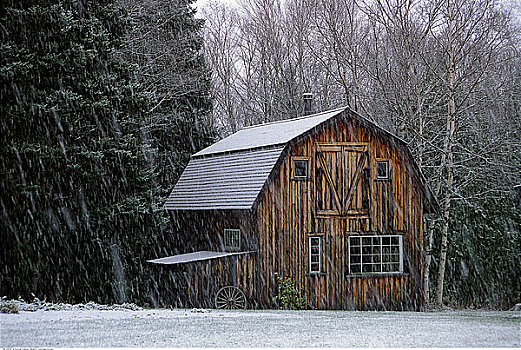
232	239
382	170
300	168
375	254
315	257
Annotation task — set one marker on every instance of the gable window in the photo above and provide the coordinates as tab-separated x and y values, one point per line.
315	256
382	170
375	254
232	239
300	168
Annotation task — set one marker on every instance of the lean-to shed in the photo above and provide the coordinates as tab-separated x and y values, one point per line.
331	201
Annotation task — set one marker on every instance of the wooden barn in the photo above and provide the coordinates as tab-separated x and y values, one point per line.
330	201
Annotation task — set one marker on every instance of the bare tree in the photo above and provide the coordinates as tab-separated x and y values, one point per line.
439	74
470	37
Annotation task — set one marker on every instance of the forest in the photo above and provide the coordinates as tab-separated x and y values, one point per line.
103	102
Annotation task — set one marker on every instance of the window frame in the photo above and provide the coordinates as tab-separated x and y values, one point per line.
388	168
232	235
319	255
381	263
300	159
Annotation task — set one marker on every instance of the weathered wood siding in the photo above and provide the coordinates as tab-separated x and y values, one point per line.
197	230
290	211
196	284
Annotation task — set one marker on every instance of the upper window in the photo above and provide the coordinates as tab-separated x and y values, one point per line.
232	239
315	256
382	170
300	168
375	254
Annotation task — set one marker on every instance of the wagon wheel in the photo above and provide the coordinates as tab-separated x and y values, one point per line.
230	297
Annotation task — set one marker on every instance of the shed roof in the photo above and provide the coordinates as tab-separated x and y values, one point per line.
196	256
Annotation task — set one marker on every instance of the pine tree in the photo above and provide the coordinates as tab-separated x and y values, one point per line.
75	191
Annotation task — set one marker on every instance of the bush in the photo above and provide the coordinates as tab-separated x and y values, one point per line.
8	306
288	296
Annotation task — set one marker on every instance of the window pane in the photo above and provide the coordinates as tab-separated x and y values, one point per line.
382	170
375	254
300	168
367	268
232	239
314	254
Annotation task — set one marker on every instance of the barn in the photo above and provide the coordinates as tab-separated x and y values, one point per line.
330	201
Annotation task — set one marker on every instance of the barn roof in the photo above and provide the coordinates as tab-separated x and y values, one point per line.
269	134
231	173
225	181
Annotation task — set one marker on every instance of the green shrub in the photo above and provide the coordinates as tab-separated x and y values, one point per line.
288	297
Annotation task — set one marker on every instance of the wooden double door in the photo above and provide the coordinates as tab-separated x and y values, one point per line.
342	180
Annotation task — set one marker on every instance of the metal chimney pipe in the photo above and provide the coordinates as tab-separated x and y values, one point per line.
308	98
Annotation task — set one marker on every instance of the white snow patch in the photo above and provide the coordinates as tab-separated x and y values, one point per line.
253	328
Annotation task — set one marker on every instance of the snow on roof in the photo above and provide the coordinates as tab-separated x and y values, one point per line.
223	181
268	134
196	256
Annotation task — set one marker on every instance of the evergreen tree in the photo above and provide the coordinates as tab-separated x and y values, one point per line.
482	267
165	44
75	191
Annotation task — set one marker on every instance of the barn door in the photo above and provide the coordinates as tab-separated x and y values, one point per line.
342	179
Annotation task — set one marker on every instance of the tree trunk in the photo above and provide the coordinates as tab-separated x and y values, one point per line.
446	204
451	127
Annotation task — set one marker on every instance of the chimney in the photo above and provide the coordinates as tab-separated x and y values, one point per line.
308	98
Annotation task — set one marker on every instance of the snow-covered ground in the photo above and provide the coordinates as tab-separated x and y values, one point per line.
212	328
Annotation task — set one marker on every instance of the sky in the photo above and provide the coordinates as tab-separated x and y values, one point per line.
515	5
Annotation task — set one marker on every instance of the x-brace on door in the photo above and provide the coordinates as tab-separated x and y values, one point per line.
342	179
